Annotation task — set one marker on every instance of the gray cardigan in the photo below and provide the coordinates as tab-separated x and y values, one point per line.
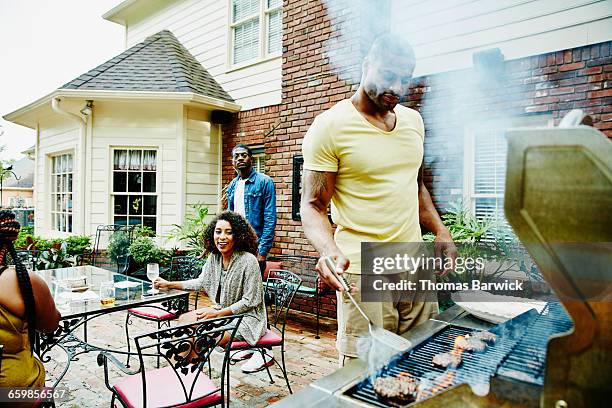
241	291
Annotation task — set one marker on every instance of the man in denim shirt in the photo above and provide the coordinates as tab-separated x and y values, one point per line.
252	194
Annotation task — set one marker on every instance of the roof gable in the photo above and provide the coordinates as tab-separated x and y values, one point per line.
159	63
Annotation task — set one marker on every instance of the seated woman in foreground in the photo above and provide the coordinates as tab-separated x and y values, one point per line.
26	305
232	280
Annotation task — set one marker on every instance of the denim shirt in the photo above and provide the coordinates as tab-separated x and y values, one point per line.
259	207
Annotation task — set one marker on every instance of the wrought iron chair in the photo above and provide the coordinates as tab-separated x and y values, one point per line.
311	286
181	268
182	383
161	313
123	259
281	286
184	268
28	257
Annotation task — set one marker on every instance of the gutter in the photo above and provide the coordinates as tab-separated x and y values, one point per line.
180	97
55	105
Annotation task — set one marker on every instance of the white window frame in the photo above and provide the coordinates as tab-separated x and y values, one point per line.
264	17
157	192
54	212
259	158
469	168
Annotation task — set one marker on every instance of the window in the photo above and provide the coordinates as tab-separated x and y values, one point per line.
134	194
256	29
61	192
489	175
259	159
485	170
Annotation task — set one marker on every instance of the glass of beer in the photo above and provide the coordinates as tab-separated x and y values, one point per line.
107	293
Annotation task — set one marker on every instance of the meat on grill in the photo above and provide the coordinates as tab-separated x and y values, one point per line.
471	343
484	336
402	388
445	360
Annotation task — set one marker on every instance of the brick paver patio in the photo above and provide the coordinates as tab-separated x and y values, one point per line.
307	359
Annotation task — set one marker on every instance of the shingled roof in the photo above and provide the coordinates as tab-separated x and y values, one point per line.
159	63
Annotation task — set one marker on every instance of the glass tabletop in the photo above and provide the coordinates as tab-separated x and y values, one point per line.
86	290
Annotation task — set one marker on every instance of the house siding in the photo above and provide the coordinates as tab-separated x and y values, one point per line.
140	125
57	135
202	161
446	33
202	27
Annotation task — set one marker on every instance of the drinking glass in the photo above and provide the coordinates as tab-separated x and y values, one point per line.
152	274
107	293
62	297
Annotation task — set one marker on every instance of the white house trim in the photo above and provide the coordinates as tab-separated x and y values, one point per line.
25	115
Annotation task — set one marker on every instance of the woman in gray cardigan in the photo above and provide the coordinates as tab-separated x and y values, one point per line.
232	280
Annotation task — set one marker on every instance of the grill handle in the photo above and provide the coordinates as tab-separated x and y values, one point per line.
332	267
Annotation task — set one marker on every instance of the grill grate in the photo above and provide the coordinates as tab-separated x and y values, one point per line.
531	330
527	359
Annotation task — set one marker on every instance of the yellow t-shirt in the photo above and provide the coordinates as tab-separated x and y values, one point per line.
376	192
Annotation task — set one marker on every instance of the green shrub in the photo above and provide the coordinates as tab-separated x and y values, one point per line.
463	225
22	238
142	231
118	245
144	251
76	244
45	244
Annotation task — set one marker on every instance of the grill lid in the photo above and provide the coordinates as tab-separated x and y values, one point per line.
558	200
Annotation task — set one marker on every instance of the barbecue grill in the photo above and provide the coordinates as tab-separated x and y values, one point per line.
558	200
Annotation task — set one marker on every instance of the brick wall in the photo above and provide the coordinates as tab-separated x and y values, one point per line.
551	84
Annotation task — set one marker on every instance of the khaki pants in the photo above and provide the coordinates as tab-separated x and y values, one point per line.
397	317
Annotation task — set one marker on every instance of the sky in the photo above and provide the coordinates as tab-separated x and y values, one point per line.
43	45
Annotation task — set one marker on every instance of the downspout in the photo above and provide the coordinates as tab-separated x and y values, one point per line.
55	105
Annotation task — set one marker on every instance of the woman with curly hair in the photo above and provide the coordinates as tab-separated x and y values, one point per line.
26	305
232	279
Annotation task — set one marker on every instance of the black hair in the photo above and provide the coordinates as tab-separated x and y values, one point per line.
245	238
390	44
242	146
9	229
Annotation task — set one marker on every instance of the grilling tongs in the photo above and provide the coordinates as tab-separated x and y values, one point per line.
378	334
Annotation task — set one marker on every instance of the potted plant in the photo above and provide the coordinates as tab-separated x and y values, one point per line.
192	230
54	258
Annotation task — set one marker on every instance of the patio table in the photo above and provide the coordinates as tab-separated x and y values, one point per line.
86	306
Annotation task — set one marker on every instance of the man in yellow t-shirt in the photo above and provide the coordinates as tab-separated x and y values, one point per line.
365	156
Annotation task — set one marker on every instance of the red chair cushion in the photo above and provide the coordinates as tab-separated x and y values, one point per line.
271	338
164	389
272	265
153	312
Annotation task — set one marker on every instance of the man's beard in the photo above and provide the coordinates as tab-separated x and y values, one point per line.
378	100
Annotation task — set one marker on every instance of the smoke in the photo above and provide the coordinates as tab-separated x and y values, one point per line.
484	95
375	353
350	20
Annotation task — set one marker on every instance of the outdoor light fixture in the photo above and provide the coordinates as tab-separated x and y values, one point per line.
88	108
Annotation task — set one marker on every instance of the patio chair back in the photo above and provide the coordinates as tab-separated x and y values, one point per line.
187	350
28	257
281	286
183	268
123	260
